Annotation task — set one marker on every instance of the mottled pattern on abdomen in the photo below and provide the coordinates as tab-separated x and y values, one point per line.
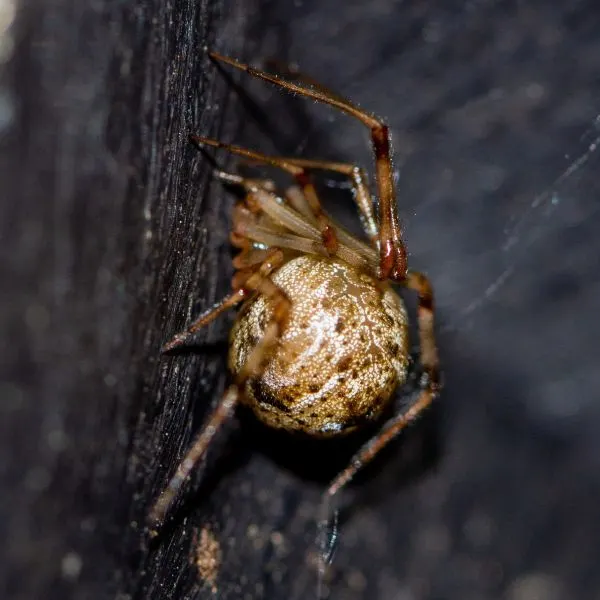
342	354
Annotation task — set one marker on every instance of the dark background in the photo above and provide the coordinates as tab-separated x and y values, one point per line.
113	236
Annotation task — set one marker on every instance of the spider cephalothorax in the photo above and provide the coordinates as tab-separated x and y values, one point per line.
320	342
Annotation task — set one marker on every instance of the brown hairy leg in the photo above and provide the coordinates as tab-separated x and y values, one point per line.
262	217
302	178
261	283
393	260
431	387
362	193
298	167
204	319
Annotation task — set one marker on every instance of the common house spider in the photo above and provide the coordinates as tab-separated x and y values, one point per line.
321	340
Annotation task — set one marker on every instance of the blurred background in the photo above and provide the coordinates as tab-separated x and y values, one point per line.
114	236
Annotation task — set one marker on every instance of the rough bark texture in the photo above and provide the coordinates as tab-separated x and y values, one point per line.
114	236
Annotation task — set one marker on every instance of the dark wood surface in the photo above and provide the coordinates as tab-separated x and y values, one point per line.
114	236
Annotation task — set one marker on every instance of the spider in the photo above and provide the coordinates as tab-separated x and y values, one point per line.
321	340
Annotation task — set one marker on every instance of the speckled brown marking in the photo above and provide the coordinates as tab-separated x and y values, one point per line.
265	398
344	363
353	405
262	323
327	354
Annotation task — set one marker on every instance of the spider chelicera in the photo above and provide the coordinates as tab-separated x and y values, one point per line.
321	341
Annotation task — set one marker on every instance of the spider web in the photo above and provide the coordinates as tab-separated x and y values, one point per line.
541	218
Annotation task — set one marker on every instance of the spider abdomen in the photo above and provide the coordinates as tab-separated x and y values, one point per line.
341	355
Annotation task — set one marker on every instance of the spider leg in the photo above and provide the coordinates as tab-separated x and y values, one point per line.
346	247
392	259
286	226
310	193
425	317
431	387
204	319
263	220
297	167
259	282
292	73
221	414
362	195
